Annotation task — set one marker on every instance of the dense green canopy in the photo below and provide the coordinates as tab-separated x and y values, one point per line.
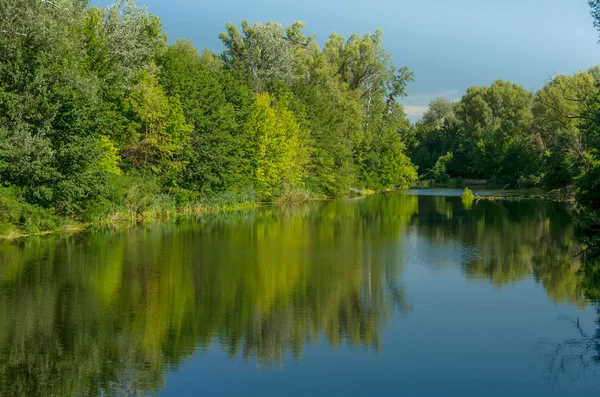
513	137
99	115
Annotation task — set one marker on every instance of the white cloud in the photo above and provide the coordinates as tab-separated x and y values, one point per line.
449	94
415	111
416	105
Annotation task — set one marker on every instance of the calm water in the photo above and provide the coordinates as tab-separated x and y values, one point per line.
401	294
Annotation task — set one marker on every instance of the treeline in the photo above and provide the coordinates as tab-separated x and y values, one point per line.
512	137
99	115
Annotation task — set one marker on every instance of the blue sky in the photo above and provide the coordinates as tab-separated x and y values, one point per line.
450	45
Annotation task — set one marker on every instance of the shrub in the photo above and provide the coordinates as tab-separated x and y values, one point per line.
17	216
467	198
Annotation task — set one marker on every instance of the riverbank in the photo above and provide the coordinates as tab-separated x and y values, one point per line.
126	219
50	223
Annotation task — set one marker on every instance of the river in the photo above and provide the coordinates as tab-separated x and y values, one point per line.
410	293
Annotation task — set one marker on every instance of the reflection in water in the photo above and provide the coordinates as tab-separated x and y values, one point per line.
110	312
513	241
575	356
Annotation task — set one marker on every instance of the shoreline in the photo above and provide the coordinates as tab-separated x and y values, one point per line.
120	219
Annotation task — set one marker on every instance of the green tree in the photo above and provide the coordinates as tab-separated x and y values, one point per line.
214	158
163	131
278	148
558	110
439	112
264	49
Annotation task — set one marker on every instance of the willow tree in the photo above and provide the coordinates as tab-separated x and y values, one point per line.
263	48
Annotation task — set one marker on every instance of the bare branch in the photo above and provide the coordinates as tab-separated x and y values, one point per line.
52	3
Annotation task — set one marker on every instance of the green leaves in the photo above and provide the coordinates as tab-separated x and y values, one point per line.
264	50
162	131
92	99
277	148
214	154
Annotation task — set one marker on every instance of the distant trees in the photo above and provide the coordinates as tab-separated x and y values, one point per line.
488	132
510	136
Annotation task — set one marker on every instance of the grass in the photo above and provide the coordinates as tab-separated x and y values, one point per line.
19	219
121	219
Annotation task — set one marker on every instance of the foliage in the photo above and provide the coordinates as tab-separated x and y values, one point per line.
513	137
588	185
438	172
440	112
213	157
264	50
467	198
100	116
277	147
17	216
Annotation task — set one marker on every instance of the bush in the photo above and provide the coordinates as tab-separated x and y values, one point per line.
467	198
588	187
468	194
293	194
438	171
530	180
19	217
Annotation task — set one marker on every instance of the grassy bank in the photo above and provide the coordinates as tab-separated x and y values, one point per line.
18	219
119	219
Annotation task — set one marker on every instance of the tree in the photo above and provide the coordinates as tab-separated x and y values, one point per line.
278	149
162	133
386	165
214	157
493	119
439	112
264	50
559	111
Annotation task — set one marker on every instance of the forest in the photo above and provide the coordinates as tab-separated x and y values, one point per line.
102	117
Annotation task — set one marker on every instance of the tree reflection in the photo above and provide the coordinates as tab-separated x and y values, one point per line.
512	241
576	356
108	313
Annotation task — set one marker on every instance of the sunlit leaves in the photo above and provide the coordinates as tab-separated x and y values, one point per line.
278	147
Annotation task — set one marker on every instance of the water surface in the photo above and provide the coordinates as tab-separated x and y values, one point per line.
397	294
